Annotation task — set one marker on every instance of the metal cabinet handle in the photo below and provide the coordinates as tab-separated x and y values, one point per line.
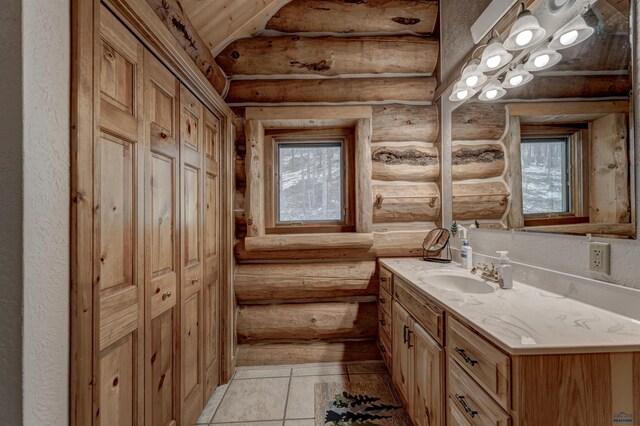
382	300
382	322
166	295
404	333
466	357
195	280
466	407
409	345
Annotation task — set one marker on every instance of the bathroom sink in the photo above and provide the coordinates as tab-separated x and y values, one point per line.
458	282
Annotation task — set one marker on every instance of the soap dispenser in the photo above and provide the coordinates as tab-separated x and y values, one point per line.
506	270
466	252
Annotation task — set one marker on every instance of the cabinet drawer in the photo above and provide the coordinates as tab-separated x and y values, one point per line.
426	313
386	280
484	362
384	301
384	323
469	404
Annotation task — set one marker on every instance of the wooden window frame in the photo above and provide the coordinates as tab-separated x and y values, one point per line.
275	138
261	124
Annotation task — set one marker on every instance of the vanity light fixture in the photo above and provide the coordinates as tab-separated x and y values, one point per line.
492	91
494	55
516	77
574	33
525	32
461	92
471	75
542	58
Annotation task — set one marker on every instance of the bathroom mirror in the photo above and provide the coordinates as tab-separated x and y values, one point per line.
549	132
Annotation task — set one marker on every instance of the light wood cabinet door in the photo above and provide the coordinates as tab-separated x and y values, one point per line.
427	367
211	288
192	300
118	238
162	257
400	358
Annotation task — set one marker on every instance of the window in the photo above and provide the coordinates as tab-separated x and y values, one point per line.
546	183
311	181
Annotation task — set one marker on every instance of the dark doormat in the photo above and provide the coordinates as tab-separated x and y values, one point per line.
339	404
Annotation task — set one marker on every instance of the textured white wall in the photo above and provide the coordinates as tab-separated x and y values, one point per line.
46	92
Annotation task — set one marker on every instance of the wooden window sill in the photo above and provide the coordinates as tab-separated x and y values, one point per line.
350	240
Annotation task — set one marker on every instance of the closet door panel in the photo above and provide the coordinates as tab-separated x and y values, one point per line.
119	227
192	177
211	258
163	253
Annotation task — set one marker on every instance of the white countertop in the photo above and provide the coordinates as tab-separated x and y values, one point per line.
526	320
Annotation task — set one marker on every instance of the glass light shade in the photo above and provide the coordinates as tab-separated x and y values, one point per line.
494	56
461	92
574	33
542	58
526	31
471	75
491	92
517	77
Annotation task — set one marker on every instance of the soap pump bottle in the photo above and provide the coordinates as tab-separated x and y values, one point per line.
466	252
506	270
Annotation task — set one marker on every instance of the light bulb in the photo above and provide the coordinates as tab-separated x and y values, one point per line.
541	61
472	80
462	94
491	94
569	38
524	38
494	61
515	80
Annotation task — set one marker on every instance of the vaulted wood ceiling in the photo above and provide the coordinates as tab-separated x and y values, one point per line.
220	21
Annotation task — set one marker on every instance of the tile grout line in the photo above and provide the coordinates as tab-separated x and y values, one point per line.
286	402
221	399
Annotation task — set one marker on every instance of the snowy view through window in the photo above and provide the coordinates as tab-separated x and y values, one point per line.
544	171
310	182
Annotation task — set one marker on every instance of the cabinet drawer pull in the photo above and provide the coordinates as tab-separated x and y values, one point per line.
382	300
409	345
383	279
166	295
195	280
466	357
404	333
466	407
382	322
383	350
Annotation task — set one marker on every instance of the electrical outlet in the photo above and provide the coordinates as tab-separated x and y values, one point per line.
600	258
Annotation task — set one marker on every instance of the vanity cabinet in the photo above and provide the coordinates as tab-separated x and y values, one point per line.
448	372
418	362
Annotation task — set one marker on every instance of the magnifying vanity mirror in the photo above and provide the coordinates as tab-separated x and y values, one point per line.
545	140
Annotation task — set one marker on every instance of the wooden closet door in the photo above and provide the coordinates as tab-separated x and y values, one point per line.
162	239
118	227
211	254
192	300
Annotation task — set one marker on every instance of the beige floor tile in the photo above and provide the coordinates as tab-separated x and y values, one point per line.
320	371
261	374
368	367
278	423
253	400
301	394
212	405
302	422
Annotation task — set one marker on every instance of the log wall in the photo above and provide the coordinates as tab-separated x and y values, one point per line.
319	304
480	191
